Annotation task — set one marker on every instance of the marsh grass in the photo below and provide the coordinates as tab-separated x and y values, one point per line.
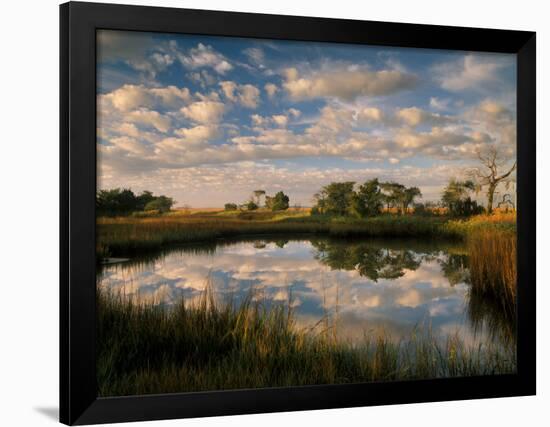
491	242
207	344
493	266
130	235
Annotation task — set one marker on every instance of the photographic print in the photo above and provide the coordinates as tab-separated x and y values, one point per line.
276	213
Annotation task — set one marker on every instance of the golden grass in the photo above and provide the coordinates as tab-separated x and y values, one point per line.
497	217
493	265
212	345
123	236
492	248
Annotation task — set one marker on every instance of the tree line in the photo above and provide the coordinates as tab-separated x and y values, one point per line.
124	201
370	198
279	202
342	199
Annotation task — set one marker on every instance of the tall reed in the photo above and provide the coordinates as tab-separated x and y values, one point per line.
212	345
493	266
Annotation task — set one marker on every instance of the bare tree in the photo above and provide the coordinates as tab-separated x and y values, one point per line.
488	175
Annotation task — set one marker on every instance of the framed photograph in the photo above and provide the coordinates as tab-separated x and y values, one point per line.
267	213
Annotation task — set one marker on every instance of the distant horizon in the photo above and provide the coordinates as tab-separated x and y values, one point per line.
480	198
208	120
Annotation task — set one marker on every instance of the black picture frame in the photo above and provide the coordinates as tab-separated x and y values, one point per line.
79	403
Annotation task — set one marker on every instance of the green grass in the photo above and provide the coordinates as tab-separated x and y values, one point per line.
130	235
144	348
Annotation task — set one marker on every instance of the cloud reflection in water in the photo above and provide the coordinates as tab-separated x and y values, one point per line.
361	287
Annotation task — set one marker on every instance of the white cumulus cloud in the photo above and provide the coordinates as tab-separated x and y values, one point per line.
149	117
205	56
271	89
204	111
469	72
246	95
346	84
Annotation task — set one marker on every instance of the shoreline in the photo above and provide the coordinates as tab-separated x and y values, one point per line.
127	236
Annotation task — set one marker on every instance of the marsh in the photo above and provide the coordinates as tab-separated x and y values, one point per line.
351	287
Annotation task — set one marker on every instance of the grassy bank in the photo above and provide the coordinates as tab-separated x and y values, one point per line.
124	236
492	248
143	348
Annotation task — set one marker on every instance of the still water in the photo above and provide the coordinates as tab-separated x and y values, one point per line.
356	288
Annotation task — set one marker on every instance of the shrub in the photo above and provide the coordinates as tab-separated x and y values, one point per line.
456	198
161	203
251	206
230	207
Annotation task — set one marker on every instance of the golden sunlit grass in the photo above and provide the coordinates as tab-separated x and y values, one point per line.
492	246
207	345
497	218
493	267
129	235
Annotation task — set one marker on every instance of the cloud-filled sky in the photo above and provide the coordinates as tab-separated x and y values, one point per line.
207	120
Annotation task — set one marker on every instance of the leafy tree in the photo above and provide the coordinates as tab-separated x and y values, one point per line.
104	201
399	196
251	206
115	202
408	196
337	198
230	207
161	204
127	201
279	202
123	202
319	203
369	199
456	198
143	199
392	192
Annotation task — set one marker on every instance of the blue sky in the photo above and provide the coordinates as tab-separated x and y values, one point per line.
207	120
